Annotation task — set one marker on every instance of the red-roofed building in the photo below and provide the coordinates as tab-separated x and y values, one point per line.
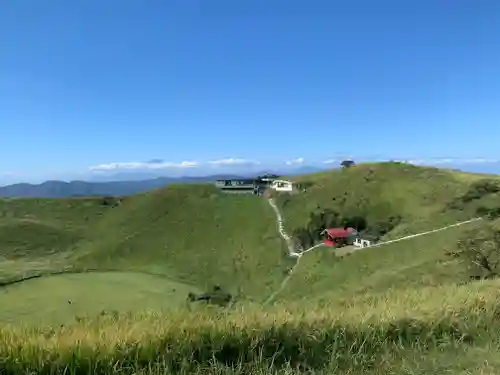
339	236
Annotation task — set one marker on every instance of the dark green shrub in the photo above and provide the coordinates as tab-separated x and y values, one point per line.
378	229
110	201
303	237
357	222
347	164
476	191
494	213
479	252
490	213
214	297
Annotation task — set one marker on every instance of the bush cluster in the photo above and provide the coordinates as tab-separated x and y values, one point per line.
479	252
216	296
489	212
111	201
476	191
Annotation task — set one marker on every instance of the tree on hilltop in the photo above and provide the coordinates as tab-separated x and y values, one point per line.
347	164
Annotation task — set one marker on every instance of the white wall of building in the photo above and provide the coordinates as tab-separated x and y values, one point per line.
358	242
282	185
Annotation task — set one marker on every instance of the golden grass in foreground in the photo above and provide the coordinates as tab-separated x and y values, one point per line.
343	336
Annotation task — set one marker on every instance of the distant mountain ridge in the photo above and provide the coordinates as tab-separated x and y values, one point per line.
63	189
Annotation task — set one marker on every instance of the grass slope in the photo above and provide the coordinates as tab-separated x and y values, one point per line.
412	263
61	298
395	309
41	235
76	213
43	239
401	332
378	191
39	227
420	195
194	234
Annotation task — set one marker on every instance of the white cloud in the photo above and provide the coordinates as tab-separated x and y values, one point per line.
479	161
297	161
155	164
410	161
158	164
337	159
450	161
233	161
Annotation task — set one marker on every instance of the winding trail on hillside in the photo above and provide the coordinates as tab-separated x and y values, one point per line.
281	228
427	232
291	250
298	255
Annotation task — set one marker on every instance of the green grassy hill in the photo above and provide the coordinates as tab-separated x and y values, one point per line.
190	233
419	196
195	234
409	264
119	257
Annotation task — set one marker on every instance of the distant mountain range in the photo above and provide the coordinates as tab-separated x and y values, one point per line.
127	183
116	187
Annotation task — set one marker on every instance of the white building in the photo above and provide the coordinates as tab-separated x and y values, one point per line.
281	185
358	242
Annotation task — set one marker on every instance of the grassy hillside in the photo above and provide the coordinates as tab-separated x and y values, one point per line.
377	310
44	239
42	235
64	298
413	263
37	227
424	198
195	234
430	330
419	196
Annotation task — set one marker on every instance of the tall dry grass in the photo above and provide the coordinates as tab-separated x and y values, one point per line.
342	335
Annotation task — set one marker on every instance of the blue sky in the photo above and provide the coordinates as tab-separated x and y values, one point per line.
115	84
